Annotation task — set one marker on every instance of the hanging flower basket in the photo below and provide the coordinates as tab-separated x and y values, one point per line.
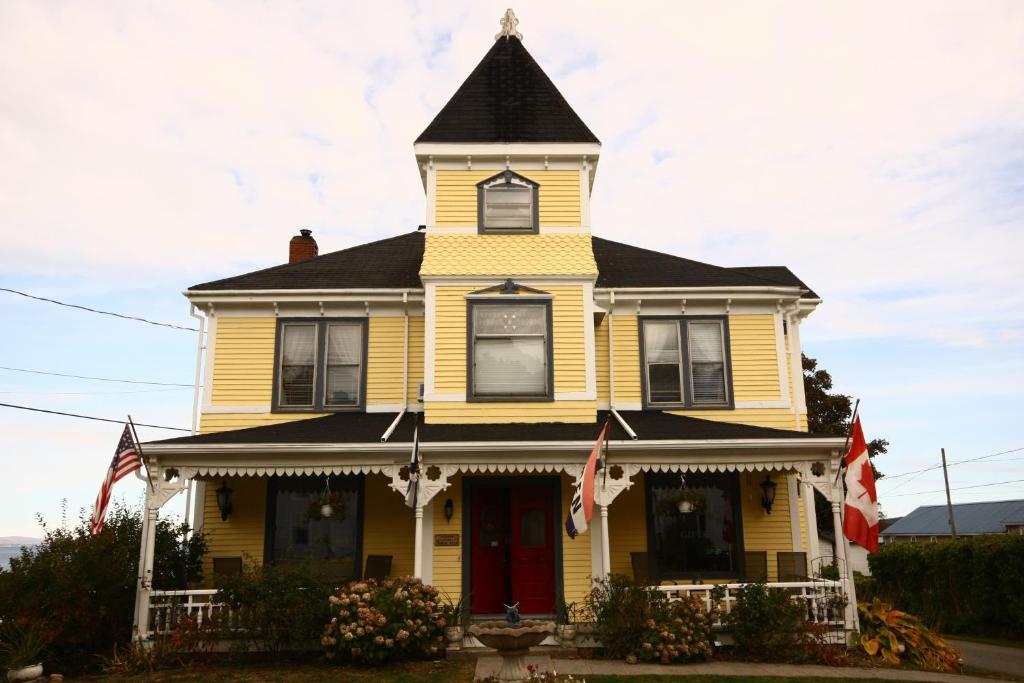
325	506
684	502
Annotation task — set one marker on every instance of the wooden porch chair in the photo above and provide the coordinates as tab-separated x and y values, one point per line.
377	567
755	565
792	566
643	572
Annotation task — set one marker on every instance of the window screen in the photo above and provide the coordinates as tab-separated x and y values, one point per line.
510	350
344	354
707	362
664	363
298	364
508	206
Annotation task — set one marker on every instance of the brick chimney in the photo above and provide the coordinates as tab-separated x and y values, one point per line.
302	247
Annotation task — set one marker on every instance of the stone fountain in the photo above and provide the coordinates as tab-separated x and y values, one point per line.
513	639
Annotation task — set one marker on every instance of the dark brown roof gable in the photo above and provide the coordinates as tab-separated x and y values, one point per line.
507	98
392	263
368	427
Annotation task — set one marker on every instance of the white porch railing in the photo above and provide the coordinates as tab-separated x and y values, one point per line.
168	608
824	599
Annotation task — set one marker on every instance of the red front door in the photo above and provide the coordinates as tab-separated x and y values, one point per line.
512	551
533	550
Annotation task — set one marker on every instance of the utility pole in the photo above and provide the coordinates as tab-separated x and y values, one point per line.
949	501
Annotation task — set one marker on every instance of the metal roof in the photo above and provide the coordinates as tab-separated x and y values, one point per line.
971	518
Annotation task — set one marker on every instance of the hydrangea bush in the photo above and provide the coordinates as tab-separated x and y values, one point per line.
376	622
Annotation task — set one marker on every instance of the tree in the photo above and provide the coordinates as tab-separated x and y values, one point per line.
830	413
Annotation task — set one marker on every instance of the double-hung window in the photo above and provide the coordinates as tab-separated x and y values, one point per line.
320	365
510	350
507	203
686	362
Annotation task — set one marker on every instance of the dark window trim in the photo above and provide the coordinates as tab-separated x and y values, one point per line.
652	552
468	484
271	518
510	300
534	185
684	343
320	369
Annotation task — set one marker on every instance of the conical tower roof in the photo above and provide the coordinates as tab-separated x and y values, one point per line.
508	98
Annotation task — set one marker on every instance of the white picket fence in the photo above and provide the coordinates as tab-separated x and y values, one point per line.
824	599
168	608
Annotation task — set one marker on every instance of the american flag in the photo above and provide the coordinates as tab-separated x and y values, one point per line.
126	460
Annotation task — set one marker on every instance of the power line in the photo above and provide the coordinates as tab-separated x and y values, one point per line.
890	477
92	393
90	417
942	491
93	310
98	379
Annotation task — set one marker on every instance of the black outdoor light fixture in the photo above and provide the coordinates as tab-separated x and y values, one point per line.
224	500
768	493
449	509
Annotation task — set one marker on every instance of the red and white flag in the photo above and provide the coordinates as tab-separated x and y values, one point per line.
861	514
126	460
581	508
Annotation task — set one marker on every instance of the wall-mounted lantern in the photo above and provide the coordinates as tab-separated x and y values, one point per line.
768	493
449	510
224	500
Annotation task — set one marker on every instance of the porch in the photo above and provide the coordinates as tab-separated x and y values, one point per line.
682	503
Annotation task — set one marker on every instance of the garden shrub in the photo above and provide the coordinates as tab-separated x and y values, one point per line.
79	589
376	622
274	609
897	636
768	625
973	585
636	623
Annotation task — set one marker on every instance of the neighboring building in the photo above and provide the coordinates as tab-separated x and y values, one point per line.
931	522
856	555
510	334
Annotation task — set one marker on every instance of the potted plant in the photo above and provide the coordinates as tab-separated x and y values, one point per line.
451	612
565	617
21	647
684	501
328	504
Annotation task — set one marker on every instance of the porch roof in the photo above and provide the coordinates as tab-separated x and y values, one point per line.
366	428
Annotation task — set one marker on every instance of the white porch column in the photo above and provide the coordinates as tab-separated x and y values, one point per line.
811	520
606	551
417	563
845	572
141	617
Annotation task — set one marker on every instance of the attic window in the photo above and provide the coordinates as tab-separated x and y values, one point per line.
507	203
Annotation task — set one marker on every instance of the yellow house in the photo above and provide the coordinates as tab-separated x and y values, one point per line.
502	336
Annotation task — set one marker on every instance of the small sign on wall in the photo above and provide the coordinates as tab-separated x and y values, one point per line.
446	539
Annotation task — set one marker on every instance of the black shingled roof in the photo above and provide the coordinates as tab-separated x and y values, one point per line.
394	263
507	98
368	427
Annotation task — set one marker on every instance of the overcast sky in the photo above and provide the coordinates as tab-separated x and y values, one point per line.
877	149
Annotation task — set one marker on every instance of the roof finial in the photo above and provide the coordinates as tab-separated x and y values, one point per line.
508	26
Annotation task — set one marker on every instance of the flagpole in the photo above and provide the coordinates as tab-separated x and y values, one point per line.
138	447
849	433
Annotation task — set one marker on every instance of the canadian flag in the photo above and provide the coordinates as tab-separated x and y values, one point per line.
861	522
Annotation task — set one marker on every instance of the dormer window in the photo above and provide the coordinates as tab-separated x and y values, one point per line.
507	203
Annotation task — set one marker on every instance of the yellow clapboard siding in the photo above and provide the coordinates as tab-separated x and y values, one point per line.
762	531
456	196
755	366
627	359
243	361
389	527
385	357
601	357
448	559
577	566
508	255
627	527
243	533
567	338
454	412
